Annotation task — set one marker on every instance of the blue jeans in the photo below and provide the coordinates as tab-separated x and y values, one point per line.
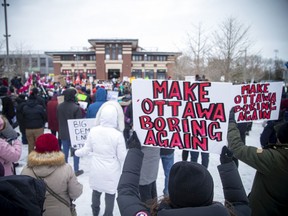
167	163
205	158
66	144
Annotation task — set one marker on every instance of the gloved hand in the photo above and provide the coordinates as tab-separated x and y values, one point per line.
232	115
226	155
133	141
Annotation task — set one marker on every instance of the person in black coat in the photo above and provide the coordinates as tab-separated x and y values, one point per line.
34	116
6	105
21	101
190	188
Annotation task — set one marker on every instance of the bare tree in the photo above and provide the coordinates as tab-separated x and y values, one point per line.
198	48
182	67
229	43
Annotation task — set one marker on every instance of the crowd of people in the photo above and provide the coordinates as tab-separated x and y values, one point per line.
121	167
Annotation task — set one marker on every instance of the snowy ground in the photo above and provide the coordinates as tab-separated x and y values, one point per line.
83	203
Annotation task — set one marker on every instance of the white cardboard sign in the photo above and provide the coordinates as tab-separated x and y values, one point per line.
257	101
79	130
181	114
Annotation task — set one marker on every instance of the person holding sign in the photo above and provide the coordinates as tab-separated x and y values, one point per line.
191	188
269	193
68	110
106	146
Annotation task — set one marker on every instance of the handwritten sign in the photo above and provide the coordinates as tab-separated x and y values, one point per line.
181	114
79	130
257	101
112	95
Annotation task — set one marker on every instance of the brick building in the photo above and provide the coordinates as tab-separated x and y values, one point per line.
114	58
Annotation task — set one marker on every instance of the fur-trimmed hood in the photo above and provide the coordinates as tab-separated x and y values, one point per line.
51	161
48	159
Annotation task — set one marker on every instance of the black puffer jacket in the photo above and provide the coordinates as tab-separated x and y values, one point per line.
67	110
34	114
130	205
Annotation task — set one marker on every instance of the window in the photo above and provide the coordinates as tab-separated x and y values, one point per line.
136	58
26	62
137	73
113	56
42	62
50	62
161	74
149	74
150	58
92	58
67	58
107	52
66	72
120	52
34	62
113	52
160	58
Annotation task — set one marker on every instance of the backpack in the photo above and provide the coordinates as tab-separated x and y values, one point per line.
21	195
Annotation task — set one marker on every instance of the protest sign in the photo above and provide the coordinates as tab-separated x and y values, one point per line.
181	114
257	101
112	95
79	130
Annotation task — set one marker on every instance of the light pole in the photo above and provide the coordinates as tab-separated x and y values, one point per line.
6	36
76	60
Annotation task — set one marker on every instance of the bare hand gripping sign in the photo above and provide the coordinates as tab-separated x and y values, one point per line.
179	114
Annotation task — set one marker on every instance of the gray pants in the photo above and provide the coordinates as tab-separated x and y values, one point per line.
109	203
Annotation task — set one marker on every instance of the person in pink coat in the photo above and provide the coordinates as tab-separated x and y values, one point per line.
10	146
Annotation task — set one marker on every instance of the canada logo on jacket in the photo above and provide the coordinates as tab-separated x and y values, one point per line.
141	214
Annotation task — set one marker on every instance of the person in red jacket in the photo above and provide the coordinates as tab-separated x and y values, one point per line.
52	120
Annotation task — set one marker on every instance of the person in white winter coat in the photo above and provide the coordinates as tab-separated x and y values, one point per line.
105	145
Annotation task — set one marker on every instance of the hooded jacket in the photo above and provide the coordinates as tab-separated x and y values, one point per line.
8	108
100	98
59	176
105	145
34	114
21	101
9	153
67	110
269	193
129	202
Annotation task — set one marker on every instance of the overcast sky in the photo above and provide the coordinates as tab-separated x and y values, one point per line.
162	25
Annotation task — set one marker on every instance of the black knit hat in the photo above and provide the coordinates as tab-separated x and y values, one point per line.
190	185
282	133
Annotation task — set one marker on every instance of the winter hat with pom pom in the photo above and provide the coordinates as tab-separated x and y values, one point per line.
46	143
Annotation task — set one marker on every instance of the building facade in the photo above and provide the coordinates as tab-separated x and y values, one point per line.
25	62
114	58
